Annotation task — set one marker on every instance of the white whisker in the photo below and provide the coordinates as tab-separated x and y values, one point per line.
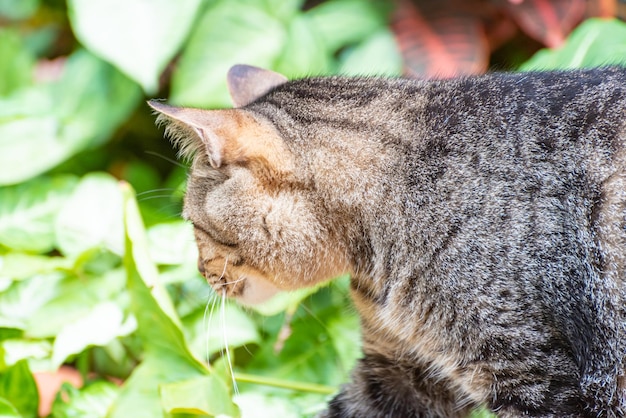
236	281
156	154
166	189
207	324
230	363
162	196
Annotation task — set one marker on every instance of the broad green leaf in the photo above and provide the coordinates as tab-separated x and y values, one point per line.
481	413
28	210
216	327
20	349
137	261
228	33
18	387
309	354
344	22
16	62
92	217
257	405
284	10
7	410
345	334
98	327
72	298
91	401
17	266
376	55
206	395
304	53
48	123
18	9
285	301
34	138
172	243
166	355
140	37
596	42
101	99
20	302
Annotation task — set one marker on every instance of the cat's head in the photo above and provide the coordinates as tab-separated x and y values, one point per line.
259	224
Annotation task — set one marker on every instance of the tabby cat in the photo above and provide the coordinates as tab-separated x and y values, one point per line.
482	221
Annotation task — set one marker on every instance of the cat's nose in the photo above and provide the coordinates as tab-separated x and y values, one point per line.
201	265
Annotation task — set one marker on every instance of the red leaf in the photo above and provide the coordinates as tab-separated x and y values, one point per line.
548	21
438	39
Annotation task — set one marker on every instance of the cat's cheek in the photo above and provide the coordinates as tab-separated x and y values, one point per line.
257	291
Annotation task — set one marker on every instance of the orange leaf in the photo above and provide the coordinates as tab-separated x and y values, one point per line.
548	21
438	40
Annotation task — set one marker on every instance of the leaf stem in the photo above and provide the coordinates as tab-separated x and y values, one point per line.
286	384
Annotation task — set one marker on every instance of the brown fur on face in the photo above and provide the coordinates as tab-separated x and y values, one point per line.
257	222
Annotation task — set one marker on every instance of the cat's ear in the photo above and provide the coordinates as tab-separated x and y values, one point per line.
247	83
194	130
226	136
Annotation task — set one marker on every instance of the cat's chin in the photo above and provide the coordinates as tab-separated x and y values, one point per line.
256	292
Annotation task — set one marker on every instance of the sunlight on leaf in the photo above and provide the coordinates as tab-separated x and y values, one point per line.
166	355
146	34
228	33
48	123
92	216
596	42
99	326
28	212
207	395
376	55
91	401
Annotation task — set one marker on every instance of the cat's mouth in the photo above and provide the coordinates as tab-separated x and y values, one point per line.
245	285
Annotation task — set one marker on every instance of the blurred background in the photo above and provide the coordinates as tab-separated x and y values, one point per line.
98	284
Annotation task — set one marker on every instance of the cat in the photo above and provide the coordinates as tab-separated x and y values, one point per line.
482	221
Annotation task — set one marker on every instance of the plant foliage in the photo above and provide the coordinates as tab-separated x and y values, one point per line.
97	271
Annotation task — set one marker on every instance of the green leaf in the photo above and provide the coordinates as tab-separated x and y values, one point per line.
166	355
98	327
172	243
20	349
314	352
285	301
211	330
206	395
139	37
596	42
48	123
376	55
284	10
92	217
91	401
70	299
17	266
18	9
304	53
20	302
16	62
256	405
18	387
7	410
28	210
344	22
228	33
